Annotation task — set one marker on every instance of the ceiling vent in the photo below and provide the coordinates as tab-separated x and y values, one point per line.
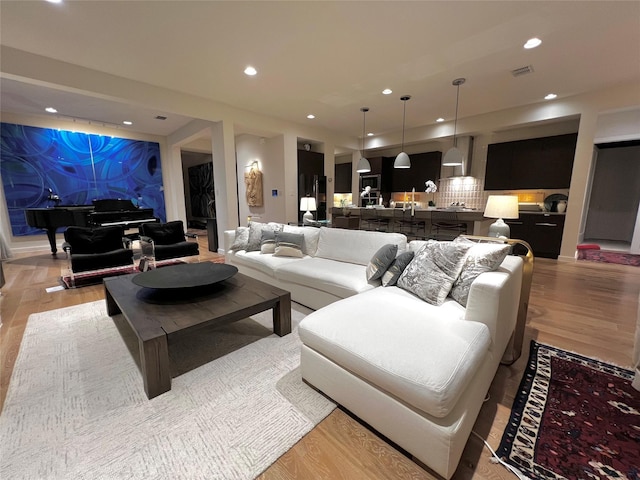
518	72
160	117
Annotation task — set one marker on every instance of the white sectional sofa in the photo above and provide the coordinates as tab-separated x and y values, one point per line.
416	372
333	266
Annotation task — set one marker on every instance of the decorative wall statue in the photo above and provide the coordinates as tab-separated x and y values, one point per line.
253	184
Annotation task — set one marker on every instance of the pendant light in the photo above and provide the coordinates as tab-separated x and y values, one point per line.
363	164
402	160
453	157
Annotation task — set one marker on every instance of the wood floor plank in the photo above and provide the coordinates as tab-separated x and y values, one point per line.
585	307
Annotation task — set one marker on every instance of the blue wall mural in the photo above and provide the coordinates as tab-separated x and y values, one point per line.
78	167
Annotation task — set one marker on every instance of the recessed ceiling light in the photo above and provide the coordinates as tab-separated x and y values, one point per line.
250	71
51	110
370	134
440	119
550	96
311	116
532	43
127	122
387	91
54	1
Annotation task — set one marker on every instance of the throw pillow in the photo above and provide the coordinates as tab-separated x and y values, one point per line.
241	239
431	273
288	245
381	261
255	234
268	242
391	276
480	258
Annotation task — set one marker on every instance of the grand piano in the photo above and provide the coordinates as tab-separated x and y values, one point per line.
102	213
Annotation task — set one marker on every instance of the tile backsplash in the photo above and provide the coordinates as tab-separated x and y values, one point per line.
467	190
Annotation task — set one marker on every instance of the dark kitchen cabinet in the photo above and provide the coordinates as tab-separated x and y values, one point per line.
545	162
343	178
543	231
424	166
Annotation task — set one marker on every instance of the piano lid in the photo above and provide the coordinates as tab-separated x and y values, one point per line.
114	205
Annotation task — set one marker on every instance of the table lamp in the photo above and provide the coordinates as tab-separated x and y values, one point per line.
501	206
307	205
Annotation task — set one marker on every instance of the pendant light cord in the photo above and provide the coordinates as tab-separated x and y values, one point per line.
455	123
404	112
364	119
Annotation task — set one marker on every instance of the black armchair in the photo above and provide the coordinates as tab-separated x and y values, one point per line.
96	248
162	241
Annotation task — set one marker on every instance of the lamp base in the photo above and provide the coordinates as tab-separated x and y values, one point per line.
499	229
307	218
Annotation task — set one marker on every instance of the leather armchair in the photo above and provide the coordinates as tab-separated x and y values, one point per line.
162	241
96	248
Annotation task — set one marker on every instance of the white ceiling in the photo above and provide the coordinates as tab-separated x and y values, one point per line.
325	58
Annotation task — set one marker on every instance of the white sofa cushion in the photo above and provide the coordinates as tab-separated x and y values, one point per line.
355	246
266	263
338	278
420	353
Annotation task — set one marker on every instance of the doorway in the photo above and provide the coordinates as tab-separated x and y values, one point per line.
613	218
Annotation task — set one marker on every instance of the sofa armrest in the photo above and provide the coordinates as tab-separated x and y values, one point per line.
229	237
494	298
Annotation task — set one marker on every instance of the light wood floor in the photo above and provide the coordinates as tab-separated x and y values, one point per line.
586	307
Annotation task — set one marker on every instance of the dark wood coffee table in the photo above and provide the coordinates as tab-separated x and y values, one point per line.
160	317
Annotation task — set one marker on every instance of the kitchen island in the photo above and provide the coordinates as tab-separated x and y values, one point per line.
390	219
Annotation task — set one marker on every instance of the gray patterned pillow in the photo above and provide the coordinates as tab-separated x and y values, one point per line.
268	241
288	244
480	258
433	270
381	261
255	234
241	239
391	276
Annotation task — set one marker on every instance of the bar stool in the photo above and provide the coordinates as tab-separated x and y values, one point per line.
413	228
446	225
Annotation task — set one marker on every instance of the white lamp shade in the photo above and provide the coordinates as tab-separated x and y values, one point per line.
307	204
502	206
363	165
402	161
452	158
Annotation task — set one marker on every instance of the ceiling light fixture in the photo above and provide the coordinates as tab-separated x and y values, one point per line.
127	122
250	71
363	164
51	110
439	119
532	43
453	157
387	91
311	116
403	160
550	96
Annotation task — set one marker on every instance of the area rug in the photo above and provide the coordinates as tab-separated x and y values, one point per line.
607	256
76	406
573	418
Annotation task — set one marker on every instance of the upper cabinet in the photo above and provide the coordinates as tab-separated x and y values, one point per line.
343	178
424	166
538	163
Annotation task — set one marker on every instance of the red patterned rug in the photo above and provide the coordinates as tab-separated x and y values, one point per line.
573	418
607	256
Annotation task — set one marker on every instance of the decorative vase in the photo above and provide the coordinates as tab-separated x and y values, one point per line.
562	206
